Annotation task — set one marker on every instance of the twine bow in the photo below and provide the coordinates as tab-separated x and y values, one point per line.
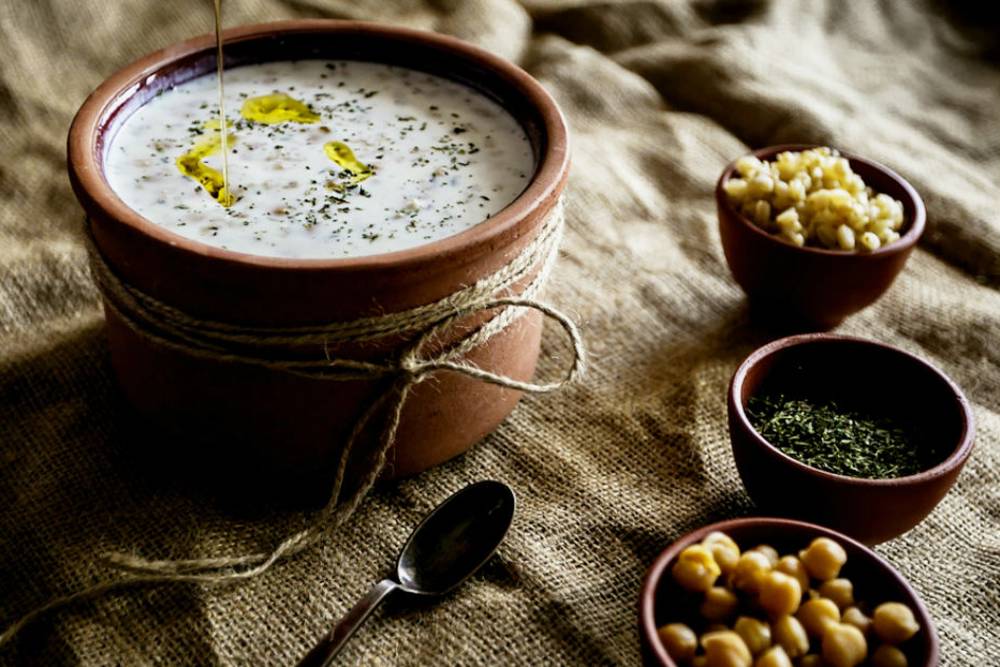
410	369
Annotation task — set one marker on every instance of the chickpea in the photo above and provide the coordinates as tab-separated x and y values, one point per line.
769	551
844	645
793	567
812	660
725	649
750	570
841	591
679	640
755	634
695	569
888	655
816	615
773	657
894	622
856	617
788	633
823	558
699	661
813	594
780	594
719	604
725	551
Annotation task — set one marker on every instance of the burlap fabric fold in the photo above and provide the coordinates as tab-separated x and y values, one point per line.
659	95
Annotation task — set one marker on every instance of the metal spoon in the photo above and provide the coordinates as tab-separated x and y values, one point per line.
448	546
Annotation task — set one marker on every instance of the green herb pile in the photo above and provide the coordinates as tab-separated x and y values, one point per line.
830	438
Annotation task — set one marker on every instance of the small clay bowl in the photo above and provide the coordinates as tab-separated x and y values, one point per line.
814	288
855	373
662	601
285	432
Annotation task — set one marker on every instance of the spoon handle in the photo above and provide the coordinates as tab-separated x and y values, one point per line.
326	650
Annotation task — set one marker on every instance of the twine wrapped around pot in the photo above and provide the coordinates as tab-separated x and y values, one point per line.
261	347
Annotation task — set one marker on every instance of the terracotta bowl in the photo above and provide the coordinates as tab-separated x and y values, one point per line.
814	288
865	373
662	601
286	428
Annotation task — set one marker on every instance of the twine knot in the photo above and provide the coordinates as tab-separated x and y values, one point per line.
412	366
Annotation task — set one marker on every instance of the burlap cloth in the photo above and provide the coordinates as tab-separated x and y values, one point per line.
659	95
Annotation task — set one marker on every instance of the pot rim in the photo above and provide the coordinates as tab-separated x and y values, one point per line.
905	242
85	163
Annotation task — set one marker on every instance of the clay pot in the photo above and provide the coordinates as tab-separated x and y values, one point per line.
662	601
814	288
289	428
858	373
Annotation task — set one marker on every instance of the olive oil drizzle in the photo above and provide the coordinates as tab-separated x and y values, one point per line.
191	165
344	158
272	109
277	108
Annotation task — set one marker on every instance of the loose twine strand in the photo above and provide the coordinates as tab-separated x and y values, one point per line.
263	347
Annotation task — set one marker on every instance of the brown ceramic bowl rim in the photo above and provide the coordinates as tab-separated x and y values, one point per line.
85	163
651	582
903	243
954	460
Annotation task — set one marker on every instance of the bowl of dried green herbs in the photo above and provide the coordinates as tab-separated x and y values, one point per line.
846	432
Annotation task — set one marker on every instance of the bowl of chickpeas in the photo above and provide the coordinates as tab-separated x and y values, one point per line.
813	235
768	592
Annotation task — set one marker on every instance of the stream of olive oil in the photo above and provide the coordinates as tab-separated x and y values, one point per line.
191	163
271	109
224	197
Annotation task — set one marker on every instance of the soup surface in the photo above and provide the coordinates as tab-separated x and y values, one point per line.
327	159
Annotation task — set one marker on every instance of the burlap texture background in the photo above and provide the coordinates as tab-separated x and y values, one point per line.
659	95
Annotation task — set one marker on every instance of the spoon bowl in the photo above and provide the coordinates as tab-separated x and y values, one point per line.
456	539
